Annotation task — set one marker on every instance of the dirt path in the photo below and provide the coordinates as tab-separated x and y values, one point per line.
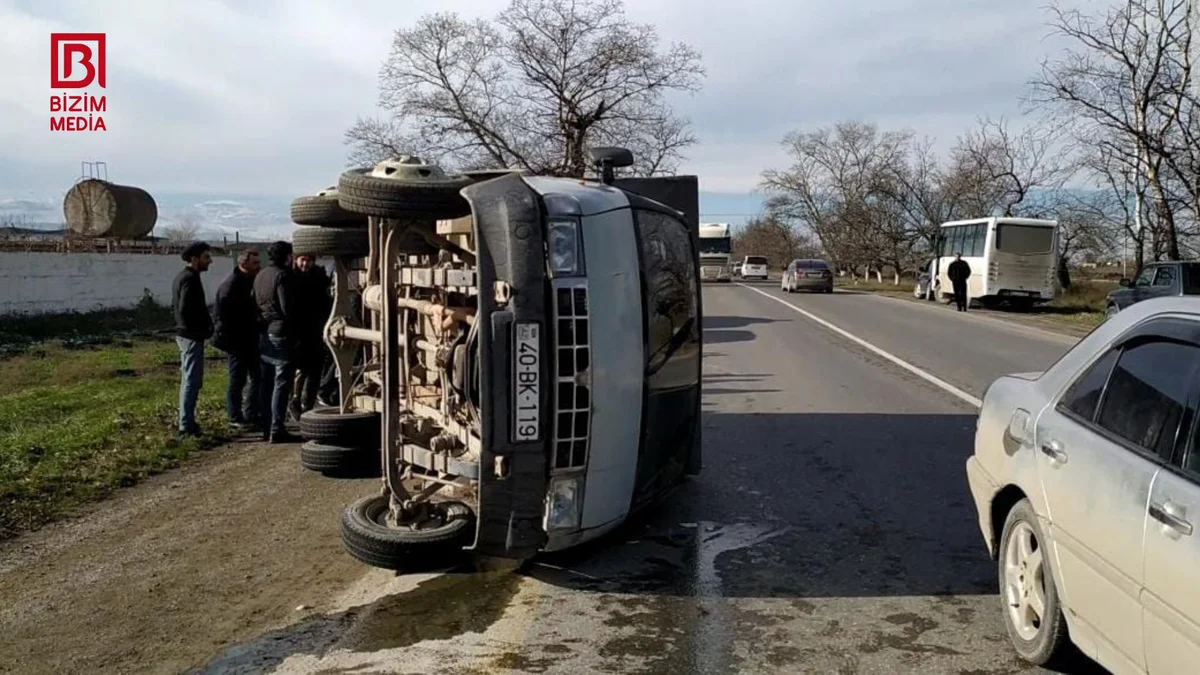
163	576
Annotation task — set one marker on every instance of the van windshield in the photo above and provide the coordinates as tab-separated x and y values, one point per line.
1024	239
755	260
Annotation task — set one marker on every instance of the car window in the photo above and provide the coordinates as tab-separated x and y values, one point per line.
1081	398
1145	276
1191	279
1147	393
1165	276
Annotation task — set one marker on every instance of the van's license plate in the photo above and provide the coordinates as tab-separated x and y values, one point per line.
527	373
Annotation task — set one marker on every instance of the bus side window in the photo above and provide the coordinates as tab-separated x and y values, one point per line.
980	247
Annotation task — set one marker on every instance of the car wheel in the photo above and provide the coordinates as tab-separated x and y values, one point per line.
333	427
404	187
322	209
1028	596
1111	311
335	461
432	539
331	242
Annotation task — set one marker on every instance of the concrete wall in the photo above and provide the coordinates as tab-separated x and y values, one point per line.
61	282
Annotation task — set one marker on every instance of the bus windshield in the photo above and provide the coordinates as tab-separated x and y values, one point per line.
1024	239
714	246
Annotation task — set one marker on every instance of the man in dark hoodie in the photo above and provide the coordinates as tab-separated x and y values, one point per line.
314	302
193	326
275	295
236	333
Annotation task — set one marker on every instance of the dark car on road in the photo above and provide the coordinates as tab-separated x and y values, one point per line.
1156	280
808	275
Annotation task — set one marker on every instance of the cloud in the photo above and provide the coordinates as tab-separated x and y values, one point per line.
236	99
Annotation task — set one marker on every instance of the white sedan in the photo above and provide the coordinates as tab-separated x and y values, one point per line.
1087	483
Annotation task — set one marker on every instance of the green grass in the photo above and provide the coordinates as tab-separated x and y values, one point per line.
1081	306
78	422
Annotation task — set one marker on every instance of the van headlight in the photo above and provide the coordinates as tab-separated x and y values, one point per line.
564	248
563	501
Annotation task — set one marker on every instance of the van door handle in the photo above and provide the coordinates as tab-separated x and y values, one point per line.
1171	516
1054	451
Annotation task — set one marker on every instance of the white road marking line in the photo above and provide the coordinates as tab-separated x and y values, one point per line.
928	377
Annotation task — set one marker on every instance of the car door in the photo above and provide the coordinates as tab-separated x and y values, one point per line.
1171	598
1166	283
1101	447
1141	285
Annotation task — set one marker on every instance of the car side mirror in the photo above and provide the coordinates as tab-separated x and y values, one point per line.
1125	283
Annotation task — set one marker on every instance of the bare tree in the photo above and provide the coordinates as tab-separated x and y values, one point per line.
532	90
780	242
185	229
1122	84
995	170
847	185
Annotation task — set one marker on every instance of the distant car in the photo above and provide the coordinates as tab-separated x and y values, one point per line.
1086	480
1155	280
921	290
754	267
735	270
808	275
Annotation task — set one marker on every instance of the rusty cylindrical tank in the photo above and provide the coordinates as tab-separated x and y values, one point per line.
98	208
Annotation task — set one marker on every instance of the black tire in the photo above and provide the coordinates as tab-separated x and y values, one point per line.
338	462
366	536
1051	645
324	211
1111	311
331	242
433	197
329	426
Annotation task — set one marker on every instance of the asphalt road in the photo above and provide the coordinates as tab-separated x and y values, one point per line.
830	532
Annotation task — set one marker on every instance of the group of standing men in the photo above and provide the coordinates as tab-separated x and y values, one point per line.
269	321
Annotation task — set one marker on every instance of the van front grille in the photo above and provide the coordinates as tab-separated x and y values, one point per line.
572	403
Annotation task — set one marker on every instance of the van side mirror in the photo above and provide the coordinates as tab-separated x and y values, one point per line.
1125	283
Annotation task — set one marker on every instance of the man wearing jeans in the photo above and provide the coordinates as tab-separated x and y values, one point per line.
275	296
237	334
193	326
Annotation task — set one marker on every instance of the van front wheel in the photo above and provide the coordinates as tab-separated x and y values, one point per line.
431	537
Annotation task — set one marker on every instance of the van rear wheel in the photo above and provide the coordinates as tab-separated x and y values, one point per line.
432	536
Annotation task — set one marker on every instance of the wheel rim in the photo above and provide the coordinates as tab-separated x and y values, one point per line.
407	167
1025	582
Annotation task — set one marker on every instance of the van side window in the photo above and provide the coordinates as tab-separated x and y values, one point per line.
671	293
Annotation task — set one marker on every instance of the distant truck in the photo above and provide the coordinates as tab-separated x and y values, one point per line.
715	246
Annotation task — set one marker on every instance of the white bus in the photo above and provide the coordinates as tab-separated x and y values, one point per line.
715	245
1011	259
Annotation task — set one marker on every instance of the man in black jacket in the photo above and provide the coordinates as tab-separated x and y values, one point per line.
193	326
236	333
959	272
275	295
314	303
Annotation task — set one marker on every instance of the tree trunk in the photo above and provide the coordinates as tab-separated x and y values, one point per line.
896	277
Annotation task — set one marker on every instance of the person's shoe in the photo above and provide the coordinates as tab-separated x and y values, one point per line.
189	433
280	437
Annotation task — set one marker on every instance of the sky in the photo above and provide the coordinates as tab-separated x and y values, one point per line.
223	103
